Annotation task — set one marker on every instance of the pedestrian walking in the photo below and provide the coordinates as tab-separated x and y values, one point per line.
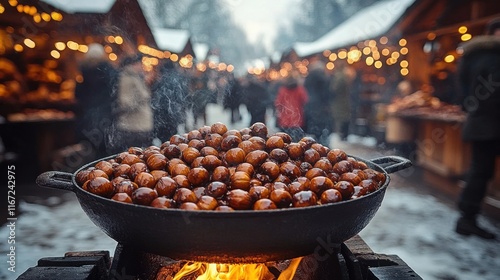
479	74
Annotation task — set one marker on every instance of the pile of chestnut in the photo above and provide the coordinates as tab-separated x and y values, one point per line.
214	168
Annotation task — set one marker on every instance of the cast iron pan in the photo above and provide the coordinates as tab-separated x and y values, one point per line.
229	237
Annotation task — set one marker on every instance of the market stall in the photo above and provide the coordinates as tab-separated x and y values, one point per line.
435	32
41	46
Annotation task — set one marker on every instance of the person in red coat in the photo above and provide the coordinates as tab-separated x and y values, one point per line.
289	105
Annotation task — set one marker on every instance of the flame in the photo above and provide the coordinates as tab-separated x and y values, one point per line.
214	271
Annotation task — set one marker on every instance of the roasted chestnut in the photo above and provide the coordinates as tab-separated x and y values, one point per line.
145	179
198	176
207	203
234	156
182	195
270	169
137	168
281	198
189	206
163	202
239	199
122	197
264	204
304	199
166	186
216	189
320	184
246	167
351	177
189	154
144	196
156	162
258	129
274	142
330	196
240	180
336	155
278	155
97	173
221	173
229	142
258	192
172	151
100	186
294	150
105	166
345	188
218	128
311	156
342	166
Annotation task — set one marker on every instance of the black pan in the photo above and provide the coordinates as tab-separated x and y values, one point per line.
227	237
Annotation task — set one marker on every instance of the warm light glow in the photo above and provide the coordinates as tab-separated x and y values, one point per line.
403	63
108	49
342	54
13	3
332	57
330	65
369	61
56	16
462	29
376	55
18	48
72	45
431	36
174	57
366	50
79	78
60	46
383	40
230	68
466	37
385	52
29	43
113	57
213	271
404	51
404	71
378	64
119	40
2	9
449	58
26	9
46	17
83	48
32	11
37	18
326	53
55	54
222	67
201	67
110	39
372	43
402	42
395	55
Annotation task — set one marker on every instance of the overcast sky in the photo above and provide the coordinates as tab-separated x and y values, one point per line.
262	18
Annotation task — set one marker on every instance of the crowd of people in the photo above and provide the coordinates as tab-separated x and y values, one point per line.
124	106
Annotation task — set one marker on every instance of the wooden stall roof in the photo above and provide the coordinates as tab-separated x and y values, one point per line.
446	16
91	17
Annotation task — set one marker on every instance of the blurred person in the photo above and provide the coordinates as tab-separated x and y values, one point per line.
93	99
169	99
318	106
341	86
289	106
199	96
232	98
132	109
479	74
256	98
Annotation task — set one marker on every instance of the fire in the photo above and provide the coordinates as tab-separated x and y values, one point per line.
213	271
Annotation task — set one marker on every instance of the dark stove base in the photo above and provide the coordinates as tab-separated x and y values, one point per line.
351	260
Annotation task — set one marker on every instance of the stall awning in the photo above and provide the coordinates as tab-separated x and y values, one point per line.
368	23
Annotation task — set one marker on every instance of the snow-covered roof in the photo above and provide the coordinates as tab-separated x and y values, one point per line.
79	6
200	51
370	22
174	40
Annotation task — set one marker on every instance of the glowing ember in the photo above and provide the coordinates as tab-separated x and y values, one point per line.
213	271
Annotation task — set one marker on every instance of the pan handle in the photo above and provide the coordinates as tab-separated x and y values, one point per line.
55	180
392	164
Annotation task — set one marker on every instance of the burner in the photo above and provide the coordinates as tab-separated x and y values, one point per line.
351	260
